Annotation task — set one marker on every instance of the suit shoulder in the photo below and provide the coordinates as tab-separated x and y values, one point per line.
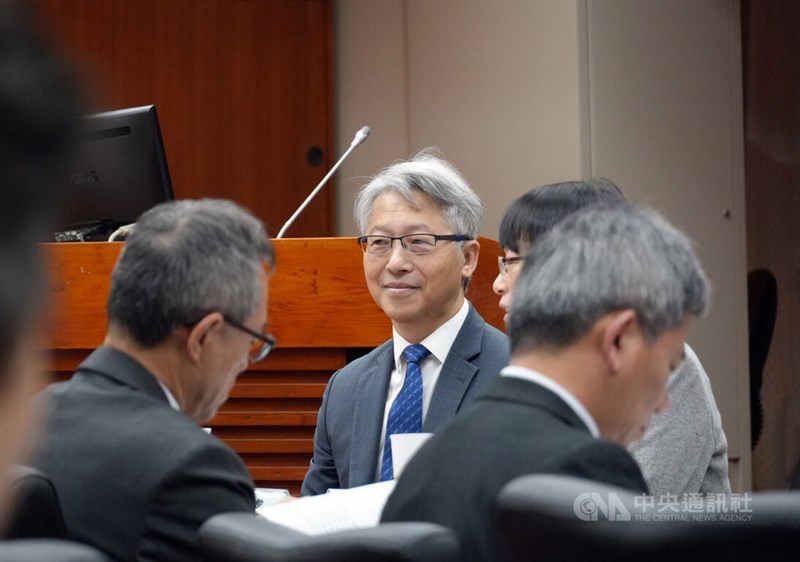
365	362
491	335
496	337
495	349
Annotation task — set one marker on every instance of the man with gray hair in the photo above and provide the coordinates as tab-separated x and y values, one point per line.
419	221
684	450
135	472
598	322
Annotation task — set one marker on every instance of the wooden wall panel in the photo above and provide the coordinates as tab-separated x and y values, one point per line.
243	89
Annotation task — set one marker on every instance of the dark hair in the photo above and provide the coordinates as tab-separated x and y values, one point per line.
186	259
541	208
38	109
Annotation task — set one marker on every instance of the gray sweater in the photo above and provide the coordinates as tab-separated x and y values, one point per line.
684	451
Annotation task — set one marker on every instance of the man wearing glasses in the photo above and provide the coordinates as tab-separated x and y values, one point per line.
135	472
419	222
684	450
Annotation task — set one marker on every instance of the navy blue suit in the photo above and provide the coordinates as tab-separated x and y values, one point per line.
350	420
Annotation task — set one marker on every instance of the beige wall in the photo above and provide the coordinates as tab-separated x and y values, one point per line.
494	85
666	124
518	94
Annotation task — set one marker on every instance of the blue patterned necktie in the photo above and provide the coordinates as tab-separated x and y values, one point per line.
405	415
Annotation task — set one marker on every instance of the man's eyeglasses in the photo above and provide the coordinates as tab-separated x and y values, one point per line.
417	244
504	262
262	345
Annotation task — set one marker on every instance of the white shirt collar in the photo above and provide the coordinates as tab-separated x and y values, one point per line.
439	342
545	381
170	396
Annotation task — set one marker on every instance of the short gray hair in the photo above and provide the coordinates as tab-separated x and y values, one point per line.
186	259
427	173
600	260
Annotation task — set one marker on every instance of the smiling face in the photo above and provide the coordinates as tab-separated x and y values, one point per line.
504	283
418	293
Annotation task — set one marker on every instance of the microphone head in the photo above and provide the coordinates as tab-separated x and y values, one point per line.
361	136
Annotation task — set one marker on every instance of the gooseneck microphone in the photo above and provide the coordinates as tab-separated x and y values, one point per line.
359	138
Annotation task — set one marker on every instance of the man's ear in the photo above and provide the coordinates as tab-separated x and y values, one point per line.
200	332
618	325
471	249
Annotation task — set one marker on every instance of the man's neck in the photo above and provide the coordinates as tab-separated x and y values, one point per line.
159	361
415	332
575	369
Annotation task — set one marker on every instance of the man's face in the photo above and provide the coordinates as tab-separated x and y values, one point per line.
228	358
418	293
641	388
504	283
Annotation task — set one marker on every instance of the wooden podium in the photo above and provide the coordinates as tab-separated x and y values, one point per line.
320	311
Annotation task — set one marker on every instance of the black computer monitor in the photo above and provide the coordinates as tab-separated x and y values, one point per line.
119	171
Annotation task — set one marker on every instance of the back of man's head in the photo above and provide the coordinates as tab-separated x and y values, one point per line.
184	260
429	174
38	108
602	260
541	208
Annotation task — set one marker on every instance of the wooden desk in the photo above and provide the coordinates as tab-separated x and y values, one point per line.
319	309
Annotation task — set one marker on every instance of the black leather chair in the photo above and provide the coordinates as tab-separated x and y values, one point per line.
49	550
549	517
762	309
37	512
242	537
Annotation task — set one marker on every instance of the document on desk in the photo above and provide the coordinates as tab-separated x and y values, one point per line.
338	510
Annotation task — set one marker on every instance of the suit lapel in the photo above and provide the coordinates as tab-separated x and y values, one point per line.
457	373
369	404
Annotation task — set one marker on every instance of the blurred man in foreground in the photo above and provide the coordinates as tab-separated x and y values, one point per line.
38	108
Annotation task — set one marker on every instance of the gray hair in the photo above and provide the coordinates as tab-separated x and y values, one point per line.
600	260
427	173
184	260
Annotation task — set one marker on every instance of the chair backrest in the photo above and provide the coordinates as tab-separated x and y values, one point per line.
38	510
568	518
561	517
244	537
762	308
52	550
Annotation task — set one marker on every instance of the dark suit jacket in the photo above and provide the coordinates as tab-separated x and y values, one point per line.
517	427
349	423
136	478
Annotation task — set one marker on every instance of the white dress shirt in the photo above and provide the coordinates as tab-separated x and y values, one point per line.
439	344
170	397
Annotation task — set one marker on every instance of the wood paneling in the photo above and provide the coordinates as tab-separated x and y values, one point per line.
243	89
319	308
